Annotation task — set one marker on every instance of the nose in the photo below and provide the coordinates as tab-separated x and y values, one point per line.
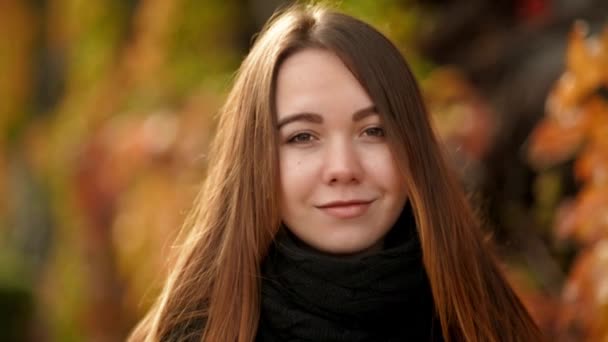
342	163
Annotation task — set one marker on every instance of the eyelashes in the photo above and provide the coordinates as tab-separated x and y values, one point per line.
301	138
375	131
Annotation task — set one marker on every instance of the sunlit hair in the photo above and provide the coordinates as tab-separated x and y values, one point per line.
213	289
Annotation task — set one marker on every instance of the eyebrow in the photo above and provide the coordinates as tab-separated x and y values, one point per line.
318	119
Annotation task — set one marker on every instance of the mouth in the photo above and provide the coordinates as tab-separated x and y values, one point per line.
346	209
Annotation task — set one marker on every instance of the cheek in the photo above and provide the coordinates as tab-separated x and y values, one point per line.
298	172
382	169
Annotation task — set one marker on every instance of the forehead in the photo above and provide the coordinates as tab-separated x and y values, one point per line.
316	80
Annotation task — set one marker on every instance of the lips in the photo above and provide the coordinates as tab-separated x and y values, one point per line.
346	209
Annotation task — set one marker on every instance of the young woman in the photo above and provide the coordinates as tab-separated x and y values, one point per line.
329	213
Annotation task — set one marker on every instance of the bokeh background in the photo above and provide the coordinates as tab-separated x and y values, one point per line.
107	108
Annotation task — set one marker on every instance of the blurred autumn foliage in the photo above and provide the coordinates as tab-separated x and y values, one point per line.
575	127
107	110
105	117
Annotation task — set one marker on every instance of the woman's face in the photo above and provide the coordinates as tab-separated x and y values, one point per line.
340	186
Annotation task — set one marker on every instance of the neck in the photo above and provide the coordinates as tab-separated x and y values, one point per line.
373	249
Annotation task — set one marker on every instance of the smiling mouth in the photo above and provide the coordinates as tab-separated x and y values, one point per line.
347	209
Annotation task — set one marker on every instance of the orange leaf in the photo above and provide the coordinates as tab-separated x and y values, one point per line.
552	143
591	215
592	165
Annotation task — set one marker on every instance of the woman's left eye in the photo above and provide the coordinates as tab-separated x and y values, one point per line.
374	132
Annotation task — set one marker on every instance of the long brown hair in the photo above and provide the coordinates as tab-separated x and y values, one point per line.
213	289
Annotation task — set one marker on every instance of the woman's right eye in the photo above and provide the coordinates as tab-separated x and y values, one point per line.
300	138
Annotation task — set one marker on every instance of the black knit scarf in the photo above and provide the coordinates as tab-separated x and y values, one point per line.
384	296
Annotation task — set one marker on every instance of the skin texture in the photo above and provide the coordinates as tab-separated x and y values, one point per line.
334	151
